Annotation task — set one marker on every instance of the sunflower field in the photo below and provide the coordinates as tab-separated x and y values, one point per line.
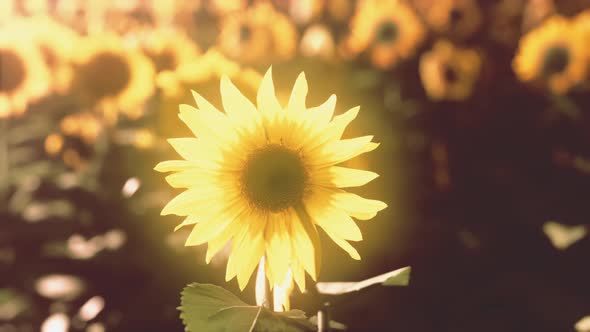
295	165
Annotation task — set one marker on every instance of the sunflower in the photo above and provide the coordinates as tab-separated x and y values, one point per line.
389	30
168	49
554	54
454	18
56	43
112	77
448	72
23	75
317	41
265	177
258	35
74	142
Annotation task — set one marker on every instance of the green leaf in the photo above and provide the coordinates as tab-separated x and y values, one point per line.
399	277
210	308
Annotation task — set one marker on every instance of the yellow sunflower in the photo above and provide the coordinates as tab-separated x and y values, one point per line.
454	18
23	74
258	35
554	54
264	177
56	42
448	72
111	76
168	49
389	30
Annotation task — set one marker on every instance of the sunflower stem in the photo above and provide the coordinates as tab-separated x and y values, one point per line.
262	289
4	162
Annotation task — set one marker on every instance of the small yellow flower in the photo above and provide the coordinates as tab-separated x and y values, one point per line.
554	54
24	75
389	30
111	76
453	18
168	49
56	43
265	177
448	72
258	35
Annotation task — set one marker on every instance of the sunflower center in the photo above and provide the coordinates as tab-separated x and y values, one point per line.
556	60
107	74
274	178
245	33
455	16
12	71
166	60
387	32
450	74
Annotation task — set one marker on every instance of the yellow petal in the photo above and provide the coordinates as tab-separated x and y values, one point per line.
190	220
335	221
266	98
191	178
175	166
297	100
212	227
278	246
342	177
218	242
339	151
253	246
201	153
239	108
298	274
212	126
322	114
305	241
356	206
347	247
340	122
202	200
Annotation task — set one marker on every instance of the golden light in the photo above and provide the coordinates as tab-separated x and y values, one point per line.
59	286
58	322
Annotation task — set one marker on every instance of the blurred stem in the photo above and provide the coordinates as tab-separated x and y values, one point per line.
324	318
4	162
262	289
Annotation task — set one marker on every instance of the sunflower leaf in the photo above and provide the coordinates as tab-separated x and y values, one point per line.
399	277
210	308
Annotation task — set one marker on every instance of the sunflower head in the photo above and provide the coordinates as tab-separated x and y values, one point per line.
448	72
552	54
389	31
265	177
24	77
169	50
258	35
453	18
111	76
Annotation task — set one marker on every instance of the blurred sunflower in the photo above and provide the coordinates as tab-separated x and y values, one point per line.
554	54
535	12
453	18
212	66
582	24
75	141
168	49
389	30
23	74
448	72
317	41
56	42
505	21
111	76
258	35
224	7
265	177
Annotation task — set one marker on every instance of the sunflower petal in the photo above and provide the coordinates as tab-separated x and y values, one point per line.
342	177
212	227
175	166
357	206
298	274
322	114
207	124
331	219
347	247
197	151
252	246
305	241
278	247
297	100
239	108
217	243
339	151
190	220
339	124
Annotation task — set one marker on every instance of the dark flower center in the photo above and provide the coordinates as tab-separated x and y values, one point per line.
245	33
106	75
387	32
165	60
450	74
455	16
556	60
12	71
274	178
